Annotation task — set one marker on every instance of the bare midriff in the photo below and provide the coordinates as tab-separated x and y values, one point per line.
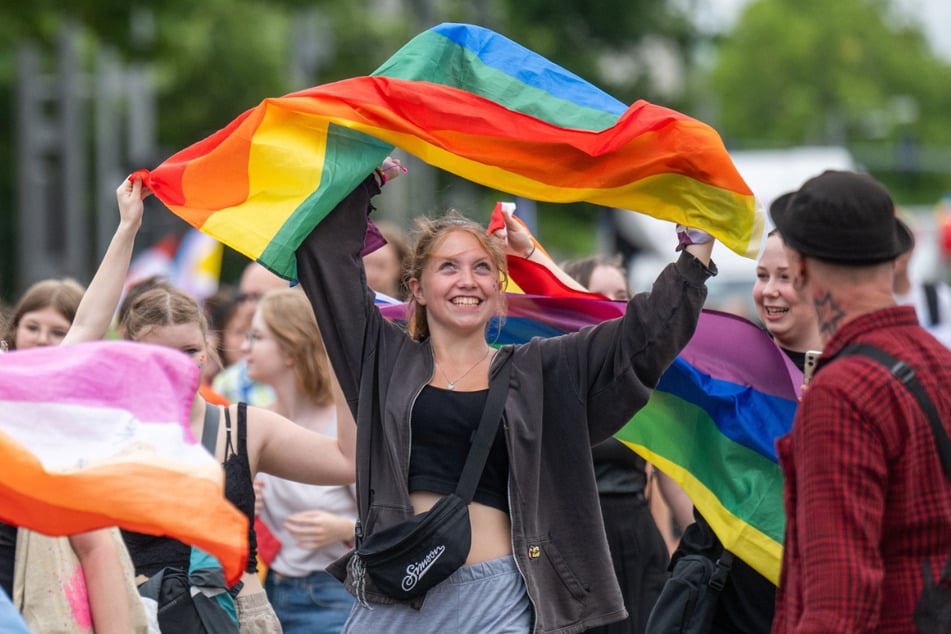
491	529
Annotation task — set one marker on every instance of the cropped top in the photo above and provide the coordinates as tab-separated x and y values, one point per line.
443	424
151	553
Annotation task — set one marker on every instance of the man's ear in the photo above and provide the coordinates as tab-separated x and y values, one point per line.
804	272
799	267
417	290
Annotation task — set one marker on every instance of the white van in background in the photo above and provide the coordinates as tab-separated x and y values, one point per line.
769	173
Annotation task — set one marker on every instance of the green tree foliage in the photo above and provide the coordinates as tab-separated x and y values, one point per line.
211	66
852	72
211	59
221	57
811	71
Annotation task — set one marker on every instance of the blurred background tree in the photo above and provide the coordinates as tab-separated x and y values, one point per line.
791	72
852	73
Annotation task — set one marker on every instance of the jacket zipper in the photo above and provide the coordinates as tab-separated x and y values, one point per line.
508	492
409	421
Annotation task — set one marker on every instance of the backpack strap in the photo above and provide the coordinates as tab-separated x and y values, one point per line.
722	571
906	375
931	297
229	446
209	433
243	430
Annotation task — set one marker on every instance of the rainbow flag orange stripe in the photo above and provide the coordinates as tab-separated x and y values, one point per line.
471	102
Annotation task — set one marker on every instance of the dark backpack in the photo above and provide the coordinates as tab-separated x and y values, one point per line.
178	611
688	601
933	612
181	613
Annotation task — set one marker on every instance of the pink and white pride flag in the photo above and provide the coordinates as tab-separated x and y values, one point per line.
96	434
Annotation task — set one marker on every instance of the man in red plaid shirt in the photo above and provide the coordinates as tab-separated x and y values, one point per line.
866	499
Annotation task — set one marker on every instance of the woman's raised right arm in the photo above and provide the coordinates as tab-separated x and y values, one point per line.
95	311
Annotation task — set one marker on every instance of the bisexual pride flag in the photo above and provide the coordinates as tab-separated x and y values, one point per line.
96	434
469	101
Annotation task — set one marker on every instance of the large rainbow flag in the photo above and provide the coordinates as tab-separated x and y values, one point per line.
96	434
471	102
710	424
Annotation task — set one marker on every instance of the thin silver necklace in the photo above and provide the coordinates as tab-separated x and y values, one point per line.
451	385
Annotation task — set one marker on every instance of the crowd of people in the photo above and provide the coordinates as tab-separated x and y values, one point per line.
335	424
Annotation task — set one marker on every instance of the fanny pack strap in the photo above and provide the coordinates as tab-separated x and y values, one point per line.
481	440
485	434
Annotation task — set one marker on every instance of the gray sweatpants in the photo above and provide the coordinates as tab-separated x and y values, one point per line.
484	597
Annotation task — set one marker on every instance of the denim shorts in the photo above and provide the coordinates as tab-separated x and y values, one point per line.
484	597
315	604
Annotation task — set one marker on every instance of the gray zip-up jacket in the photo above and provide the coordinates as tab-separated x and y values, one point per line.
565	394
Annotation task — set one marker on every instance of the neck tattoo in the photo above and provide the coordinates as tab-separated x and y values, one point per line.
451	385
830	314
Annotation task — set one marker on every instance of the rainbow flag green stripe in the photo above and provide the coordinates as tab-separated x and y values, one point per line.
471	102
532	86
348	157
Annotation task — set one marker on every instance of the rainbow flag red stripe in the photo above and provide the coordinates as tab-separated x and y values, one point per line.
471	102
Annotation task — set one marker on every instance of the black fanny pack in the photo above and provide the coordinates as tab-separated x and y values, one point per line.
406	560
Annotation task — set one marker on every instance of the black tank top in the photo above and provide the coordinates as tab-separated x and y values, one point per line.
151	553
443	424
239	485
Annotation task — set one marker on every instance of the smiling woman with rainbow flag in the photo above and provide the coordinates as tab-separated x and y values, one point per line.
538	559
